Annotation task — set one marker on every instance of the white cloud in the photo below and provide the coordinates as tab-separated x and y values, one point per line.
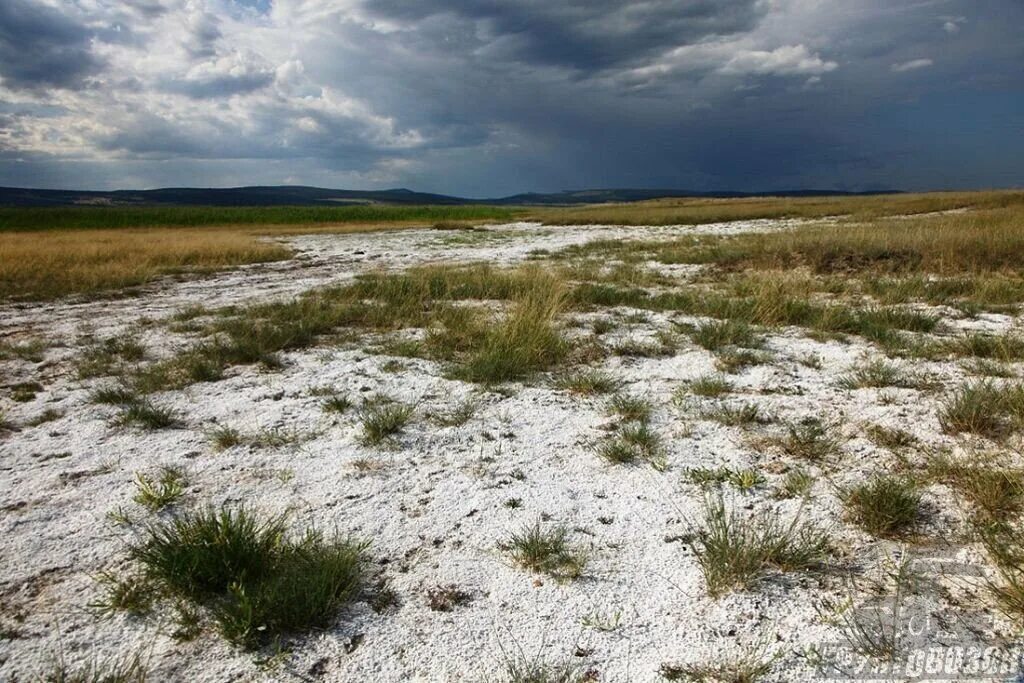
912	65
787	60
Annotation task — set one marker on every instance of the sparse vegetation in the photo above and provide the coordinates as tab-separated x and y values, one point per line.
633	441
810	439
743	480
254	580
984	408
587	382
711	386
630	408
721	333
165	490
546	551
892	438
737	414
797	484
735	551
383	420
886	506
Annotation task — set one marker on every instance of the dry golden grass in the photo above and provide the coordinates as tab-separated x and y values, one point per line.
696	211
46	264
976	241
43	265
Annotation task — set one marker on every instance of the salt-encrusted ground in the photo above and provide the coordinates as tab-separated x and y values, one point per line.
434	505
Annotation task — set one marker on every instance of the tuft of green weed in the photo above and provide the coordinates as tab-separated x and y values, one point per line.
718	334
525	341
886	506
633	441
129	669
383	420
747	667
23	392
630	408
165	490
711	386
254	581
735	551
224	437
797	484
48	415
545	551
336	403
984	408
810	439
587	382
458	415
133	594
147	415
737	415
743	480
880	374
731	360
892	438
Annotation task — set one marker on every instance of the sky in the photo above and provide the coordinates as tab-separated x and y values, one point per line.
487	98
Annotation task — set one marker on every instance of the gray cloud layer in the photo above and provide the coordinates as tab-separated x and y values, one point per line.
480	97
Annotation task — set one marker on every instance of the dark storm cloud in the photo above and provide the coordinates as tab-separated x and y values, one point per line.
41	47
583	34
484	98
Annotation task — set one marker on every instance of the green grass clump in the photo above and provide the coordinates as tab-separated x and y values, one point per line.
165	490
546	551
630	408
797	484
146	415
984	408
130	669
587	382
255	582
525	341
718	334
711	386
383	420
737	415
744	480
886	506
734	551
1002	348
108	356
879	374
892	438
223	437
337	403
810	439
633	441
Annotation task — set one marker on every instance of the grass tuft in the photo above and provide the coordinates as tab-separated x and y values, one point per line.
630	408
719	334
810	439
734	551
984	408
711	386
156	494
546	551
383	420
255	582
885	506
587	382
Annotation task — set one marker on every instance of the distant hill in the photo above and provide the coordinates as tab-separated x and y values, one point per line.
297	195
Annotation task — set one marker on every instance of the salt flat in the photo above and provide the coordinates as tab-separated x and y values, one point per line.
438	502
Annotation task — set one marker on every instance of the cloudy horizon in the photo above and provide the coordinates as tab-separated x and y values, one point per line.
478	98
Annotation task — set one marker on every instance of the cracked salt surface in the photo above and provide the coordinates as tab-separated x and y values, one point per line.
434	504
